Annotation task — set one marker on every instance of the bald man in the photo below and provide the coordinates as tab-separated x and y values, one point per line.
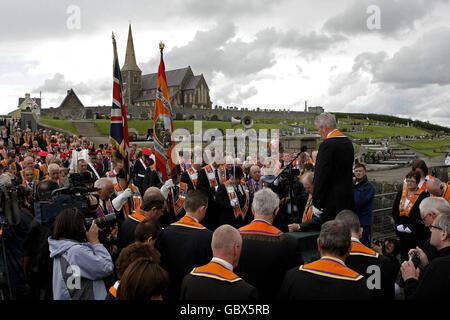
216	280
437	188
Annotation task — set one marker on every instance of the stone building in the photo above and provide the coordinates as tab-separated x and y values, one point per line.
185	88
27	104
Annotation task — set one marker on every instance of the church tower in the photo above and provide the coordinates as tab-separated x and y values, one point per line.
131	74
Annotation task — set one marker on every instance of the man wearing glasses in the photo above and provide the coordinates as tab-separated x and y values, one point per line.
435	282
430	209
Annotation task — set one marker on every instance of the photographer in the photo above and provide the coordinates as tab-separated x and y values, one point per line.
80	261
435	282
37	265
293	198
14	224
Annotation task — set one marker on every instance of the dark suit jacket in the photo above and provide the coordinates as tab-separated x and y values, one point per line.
435	283
300	285
212	217
151	179
265	259
361	263
226	211
202	288
182	249
333	184
186	179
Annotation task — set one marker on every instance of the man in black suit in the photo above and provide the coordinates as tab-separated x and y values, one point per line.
186	243
216	280
267	252
210	178
333	174
233	201
377	269
327	278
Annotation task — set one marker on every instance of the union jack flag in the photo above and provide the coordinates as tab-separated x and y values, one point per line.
118	133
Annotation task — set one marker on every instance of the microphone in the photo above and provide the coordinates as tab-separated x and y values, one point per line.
303	149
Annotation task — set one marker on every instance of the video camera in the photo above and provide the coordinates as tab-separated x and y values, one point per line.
12	196
75	195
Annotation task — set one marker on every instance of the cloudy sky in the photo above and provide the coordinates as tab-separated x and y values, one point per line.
377	56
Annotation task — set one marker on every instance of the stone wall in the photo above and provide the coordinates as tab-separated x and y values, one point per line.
188	113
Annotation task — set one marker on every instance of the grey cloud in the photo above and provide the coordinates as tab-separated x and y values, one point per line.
396	17
98	89
23	20
423	63
219	51
233	94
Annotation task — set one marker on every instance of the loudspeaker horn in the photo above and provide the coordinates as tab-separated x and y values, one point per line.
235	121
247	122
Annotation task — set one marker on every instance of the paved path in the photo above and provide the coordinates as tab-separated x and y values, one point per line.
396	175
88	129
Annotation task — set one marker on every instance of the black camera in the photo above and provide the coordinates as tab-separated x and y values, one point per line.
103	222
377	242
415	259
81	179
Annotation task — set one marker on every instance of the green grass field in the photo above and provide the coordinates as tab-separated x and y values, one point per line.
62	124
143	125
380	132
430	147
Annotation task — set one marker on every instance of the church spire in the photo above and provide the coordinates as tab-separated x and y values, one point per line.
130	57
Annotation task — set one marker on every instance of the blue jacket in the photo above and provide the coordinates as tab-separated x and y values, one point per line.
79	269
364	193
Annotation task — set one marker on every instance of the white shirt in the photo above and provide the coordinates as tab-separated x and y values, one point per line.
223	262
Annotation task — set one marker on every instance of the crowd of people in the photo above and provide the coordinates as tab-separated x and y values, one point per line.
77	225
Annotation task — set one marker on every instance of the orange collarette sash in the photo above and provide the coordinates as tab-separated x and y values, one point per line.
113	289
308	212
193	175
405	212
358	249
260	227
332	268
215	270
188	222
136	200
335	134
138	216
238	211
178	205
212	177
445	193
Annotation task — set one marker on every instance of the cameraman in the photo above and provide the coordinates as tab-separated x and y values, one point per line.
293	198
13	231
38	267
106	208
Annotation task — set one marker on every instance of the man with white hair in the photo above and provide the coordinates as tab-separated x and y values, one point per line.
310	220
216	280
53	173
267	252
255	183
333	174
431	208
437	188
